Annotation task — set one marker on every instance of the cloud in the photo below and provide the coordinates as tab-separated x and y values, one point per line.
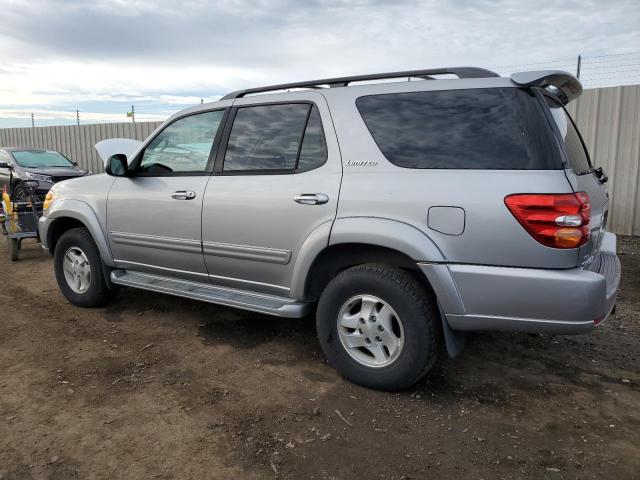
64	53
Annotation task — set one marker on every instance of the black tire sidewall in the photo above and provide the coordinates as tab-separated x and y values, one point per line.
414	307
97	293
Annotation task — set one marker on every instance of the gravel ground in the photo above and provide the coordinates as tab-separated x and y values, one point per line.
159	387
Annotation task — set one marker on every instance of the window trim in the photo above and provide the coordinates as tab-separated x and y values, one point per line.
218	168
558	135
210	161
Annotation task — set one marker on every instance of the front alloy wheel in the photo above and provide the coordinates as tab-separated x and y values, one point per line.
77	269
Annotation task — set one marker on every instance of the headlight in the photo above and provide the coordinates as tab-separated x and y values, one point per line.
48	200
40	178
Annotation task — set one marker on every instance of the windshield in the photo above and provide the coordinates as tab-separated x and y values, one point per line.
40	158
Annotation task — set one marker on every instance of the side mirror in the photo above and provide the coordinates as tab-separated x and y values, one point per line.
75	164
5	165
117	165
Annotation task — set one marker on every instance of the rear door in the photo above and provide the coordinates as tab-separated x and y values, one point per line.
582	178
276	182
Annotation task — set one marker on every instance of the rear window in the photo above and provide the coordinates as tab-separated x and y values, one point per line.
496	128
575	150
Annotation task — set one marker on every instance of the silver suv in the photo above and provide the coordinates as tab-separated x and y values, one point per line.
404	213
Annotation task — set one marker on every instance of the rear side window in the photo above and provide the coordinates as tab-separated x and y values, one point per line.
574	148
279	137
313	151
496	128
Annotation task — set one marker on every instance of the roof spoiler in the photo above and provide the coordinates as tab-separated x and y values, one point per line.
562	85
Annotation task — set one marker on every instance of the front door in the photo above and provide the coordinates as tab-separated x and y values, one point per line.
276	182
154	215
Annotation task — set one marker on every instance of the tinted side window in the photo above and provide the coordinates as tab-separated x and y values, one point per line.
494	128
313	152
576	152
273	137
184	146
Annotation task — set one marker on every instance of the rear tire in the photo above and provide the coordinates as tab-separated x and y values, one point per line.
79	269
377	325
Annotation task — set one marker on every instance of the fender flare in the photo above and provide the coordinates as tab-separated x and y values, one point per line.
375	231
385	232
81	211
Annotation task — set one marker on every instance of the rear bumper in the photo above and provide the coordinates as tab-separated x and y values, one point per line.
530	300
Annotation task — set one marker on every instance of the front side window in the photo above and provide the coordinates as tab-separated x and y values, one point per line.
182	147
279	137
490	128
576	152
40	159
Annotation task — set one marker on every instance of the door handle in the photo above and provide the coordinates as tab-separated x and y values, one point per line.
183	195
311	198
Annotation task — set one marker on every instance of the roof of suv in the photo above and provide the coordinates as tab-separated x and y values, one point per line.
562	85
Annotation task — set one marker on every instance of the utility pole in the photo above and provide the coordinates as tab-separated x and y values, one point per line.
132	114
579	65
78	116
33	123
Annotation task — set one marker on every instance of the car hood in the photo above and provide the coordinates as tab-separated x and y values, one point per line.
57	171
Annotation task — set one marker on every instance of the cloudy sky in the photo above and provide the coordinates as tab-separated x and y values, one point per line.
101	56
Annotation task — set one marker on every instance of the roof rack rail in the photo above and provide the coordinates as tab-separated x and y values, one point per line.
461	72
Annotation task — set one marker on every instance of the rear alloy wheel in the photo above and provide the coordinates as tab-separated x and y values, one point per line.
377	325
370	331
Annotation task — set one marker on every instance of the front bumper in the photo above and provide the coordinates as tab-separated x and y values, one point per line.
530	300
43	229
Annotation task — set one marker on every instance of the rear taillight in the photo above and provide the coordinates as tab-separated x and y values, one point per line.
555	220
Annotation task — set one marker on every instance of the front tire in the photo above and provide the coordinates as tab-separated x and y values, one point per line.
79	269
377	325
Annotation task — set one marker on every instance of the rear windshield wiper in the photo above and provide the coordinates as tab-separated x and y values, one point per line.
598	171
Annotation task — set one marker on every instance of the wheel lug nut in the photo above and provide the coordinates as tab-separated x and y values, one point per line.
380	328
374	318
368	340
360	331
378	339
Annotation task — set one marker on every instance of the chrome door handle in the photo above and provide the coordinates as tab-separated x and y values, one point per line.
311	198
183	195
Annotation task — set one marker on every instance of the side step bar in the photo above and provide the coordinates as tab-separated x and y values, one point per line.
255	302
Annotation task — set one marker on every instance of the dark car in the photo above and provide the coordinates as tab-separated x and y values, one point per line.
44	166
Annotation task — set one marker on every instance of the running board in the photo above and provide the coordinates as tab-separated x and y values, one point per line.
255	302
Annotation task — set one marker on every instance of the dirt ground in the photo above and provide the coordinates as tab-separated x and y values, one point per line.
154	386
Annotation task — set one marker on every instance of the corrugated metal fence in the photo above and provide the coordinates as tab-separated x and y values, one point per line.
609	119
76	141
